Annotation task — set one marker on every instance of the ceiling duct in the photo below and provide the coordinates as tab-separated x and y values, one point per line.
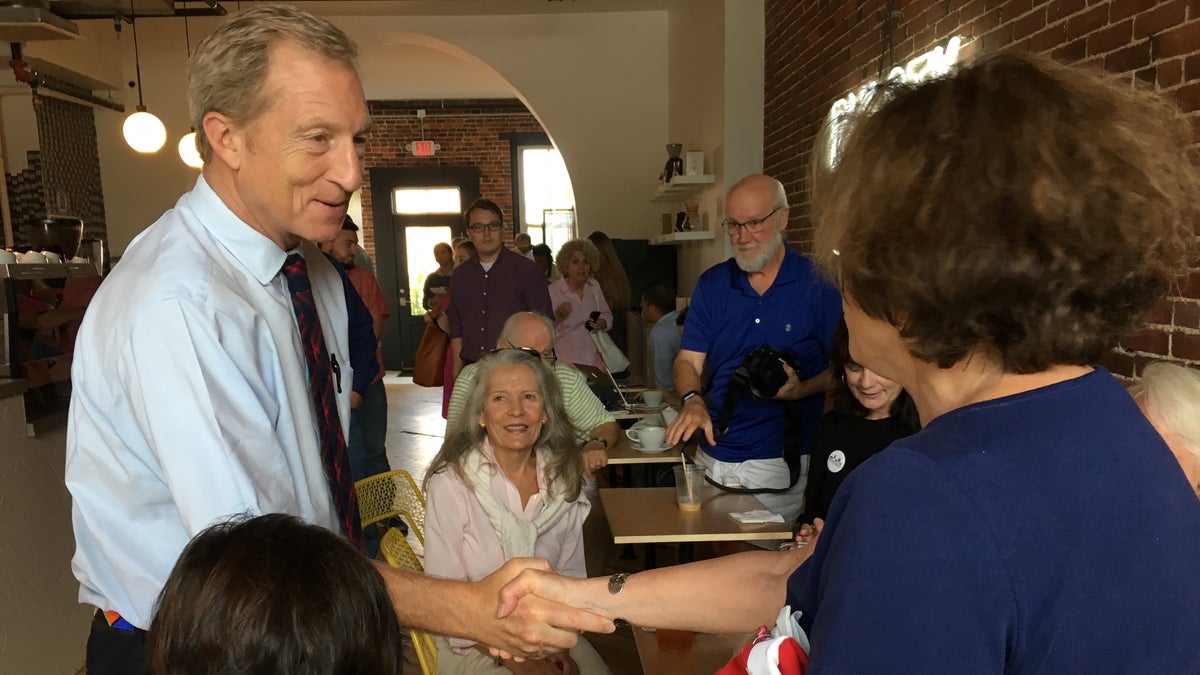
52	80
32	20
78	10
38	20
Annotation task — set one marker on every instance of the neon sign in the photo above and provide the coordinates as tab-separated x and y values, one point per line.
934	63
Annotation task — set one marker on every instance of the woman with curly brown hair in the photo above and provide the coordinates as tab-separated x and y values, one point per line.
993	233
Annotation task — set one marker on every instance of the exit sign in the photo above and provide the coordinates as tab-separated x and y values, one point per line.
423	148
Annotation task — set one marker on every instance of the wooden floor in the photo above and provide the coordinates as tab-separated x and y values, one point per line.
415	431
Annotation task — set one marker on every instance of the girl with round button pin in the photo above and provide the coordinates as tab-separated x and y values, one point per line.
868	413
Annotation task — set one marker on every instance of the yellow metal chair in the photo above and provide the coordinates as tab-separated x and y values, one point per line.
390	494
398	553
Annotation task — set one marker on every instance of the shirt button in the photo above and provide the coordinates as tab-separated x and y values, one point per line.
758	321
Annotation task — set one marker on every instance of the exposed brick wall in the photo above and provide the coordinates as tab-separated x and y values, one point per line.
468	132
816	52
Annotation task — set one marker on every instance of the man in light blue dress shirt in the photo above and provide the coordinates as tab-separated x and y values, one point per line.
658	312
191	400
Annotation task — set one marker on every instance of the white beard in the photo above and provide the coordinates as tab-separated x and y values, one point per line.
754	264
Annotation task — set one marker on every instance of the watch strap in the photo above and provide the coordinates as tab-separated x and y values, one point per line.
694	392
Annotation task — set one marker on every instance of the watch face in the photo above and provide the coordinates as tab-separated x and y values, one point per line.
616	582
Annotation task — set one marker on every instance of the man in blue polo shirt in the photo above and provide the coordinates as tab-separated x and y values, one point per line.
766	294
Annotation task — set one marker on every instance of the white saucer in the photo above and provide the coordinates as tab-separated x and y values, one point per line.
638	446
646	408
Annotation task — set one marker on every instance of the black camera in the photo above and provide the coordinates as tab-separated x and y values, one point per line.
761	372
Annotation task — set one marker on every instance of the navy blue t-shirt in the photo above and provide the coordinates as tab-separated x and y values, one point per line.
727	319
1047	532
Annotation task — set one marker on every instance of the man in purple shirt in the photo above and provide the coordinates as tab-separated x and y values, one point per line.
490	287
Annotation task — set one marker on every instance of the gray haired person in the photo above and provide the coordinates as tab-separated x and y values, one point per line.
194	399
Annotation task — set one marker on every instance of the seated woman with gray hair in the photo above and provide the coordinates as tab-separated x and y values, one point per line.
1169	395
507	483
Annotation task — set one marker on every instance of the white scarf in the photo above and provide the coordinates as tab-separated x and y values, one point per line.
517	536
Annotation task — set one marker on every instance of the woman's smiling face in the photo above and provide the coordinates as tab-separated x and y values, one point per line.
513	409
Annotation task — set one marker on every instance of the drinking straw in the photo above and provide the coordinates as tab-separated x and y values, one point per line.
683	458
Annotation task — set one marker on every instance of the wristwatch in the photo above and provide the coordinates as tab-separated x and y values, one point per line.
694	392
616	582
599	439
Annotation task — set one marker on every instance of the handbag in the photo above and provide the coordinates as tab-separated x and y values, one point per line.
614	359
431	357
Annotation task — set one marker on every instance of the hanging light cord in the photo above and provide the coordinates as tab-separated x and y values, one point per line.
137	62
187	38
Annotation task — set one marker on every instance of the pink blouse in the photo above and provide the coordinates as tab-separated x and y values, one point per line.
460	542
572	342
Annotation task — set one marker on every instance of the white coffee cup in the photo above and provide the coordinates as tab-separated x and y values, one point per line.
7	257
33	258
52	257
652	397
650	438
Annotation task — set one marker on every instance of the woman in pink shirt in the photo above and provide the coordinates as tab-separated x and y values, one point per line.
579	305
506	484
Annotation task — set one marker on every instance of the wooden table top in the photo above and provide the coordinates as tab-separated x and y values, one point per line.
623	453
650	515
708	653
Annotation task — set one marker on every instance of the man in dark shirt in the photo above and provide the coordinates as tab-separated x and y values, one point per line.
490	287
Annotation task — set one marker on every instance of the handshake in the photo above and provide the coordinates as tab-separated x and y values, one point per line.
526	610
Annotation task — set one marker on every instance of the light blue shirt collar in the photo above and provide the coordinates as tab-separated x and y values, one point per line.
261	256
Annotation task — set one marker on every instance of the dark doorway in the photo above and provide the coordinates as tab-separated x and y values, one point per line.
397	267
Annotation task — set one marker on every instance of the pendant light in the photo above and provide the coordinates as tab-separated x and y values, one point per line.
187	145
143	131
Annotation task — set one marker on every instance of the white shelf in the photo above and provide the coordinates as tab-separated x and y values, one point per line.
676	237
682	187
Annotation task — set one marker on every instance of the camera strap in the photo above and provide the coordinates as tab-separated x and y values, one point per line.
733	394
792	449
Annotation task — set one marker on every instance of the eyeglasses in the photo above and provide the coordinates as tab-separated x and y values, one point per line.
494	226
549	356
752	226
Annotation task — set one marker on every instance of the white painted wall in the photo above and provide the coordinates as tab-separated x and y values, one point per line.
20	130
716	104
697	120
597	82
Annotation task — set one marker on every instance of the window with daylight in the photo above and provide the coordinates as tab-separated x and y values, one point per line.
410	201
546	189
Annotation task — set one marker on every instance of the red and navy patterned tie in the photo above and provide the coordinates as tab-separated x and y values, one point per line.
320	381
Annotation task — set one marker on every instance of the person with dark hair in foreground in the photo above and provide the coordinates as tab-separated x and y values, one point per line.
994	233
273	595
